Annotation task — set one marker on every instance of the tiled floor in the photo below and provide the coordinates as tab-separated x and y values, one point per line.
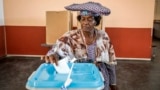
131	75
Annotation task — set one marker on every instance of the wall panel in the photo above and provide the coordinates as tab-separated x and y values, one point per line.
25	40
131	42
2	42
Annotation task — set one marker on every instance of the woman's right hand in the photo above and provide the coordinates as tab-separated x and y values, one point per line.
50	59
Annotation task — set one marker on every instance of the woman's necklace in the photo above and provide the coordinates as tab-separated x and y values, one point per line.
90	38
84	39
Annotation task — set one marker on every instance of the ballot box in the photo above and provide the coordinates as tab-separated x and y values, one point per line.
85	76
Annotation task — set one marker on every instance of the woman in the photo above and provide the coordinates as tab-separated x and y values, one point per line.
88	44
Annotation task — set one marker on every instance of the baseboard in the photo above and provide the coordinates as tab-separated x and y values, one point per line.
143	59
11	55
118	58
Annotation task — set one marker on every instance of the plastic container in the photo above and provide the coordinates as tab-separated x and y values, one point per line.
85	76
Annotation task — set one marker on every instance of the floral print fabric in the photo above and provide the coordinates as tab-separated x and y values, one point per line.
72	44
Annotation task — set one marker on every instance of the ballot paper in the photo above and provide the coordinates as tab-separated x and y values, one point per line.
62	66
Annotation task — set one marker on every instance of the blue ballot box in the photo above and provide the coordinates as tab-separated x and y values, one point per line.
85	76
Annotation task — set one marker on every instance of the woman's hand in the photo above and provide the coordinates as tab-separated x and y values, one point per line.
50	59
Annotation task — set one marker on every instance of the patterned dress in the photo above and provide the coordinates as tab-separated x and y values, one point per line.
73	44
108	71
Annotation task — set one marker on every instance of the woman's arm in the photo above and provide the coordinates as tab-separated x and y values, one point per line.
60	50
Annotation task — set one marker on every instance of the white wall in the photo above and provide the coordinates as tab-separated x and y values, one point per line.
130	13
1	13
124	13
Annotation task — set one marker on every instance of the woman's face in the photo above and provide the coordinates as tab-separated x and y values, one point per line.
87	23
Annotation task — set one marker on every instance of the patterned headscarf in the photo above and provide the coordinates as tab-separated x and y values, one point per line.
89	8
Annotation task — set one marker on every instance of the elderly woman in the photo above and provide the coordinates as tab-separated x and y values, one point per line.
88	44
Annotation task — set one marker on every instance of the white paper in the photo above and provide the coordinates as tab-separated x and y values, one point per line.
62	66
